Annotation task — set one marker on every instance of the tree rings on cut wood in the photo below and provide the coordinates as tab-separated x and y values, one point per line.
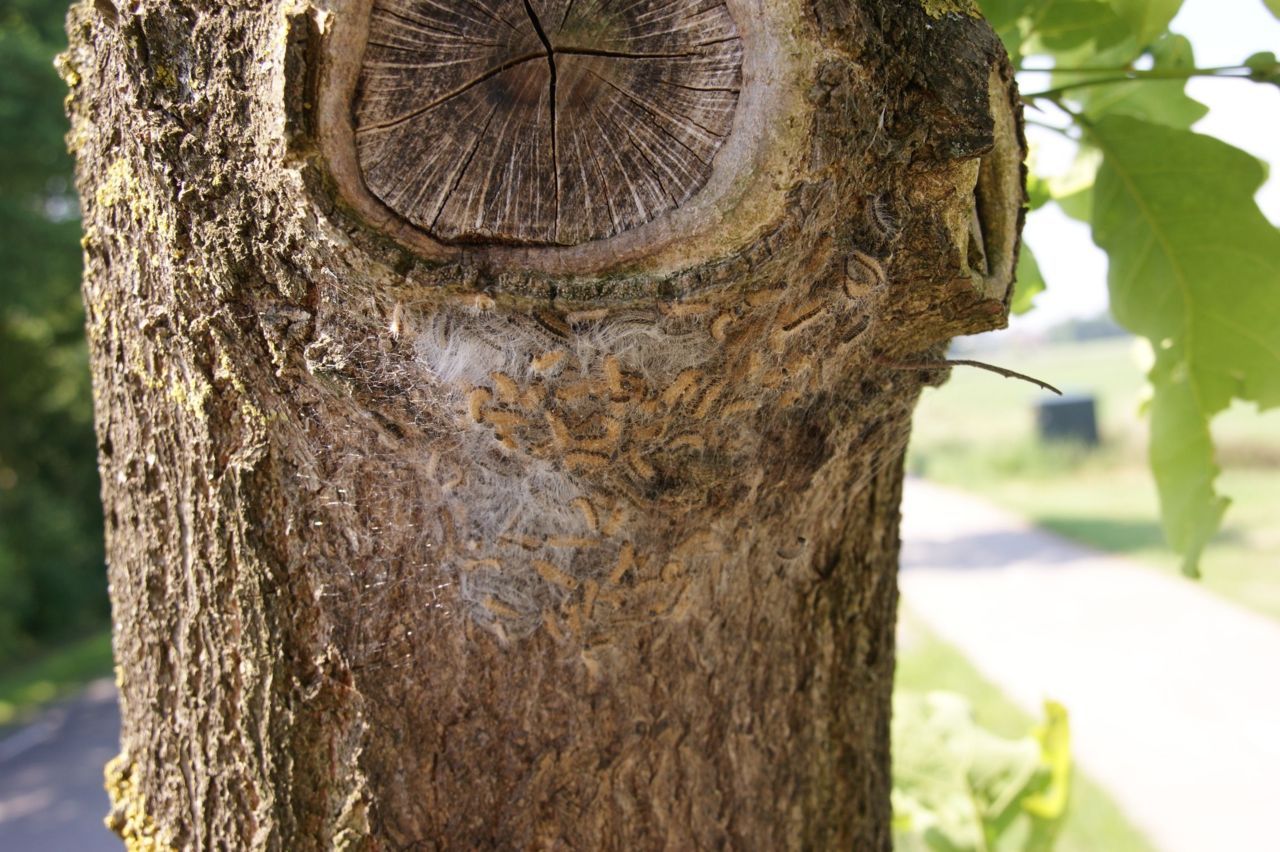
543	122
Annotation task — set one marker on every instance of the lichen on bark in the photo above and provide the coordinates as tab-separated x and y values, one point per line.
129	818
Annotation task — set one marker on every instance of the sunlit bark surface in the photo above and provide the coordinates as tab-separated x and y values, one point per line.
502	411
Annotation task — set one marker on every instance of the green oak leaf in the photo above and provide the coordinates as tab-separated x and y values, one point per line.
1002	14
1005	17
1073	190
1262	62
1265	67
1062	26
1183	460
1039	191
1030	281
1078	205
1147	18
1157	101
1195	268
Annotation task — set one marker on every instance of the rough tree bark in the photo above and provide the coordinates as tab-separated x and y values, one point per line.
501	407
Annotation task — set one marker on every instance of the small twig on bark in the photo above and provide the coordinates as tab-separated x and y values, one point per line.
943	363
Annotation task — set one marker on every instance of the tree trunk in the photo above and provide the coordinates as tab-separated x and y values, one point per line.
502	405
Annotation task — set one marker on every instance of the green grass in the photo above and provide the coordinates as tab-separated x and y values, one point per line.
978	433
58	672
925	663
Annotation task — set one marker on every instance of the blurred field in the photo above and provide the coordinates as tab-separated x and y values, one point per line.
926	663
977	432
28	686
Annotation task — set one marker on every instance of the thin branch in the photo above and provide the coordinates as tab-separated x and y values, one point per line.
943	364
1154	74
1139	72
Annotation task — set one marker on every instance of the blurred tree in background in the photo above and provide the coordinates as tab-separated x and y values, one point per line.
52	581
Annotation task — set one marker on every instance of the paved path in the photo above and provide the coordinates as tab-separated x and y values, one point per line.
1174	693
51	796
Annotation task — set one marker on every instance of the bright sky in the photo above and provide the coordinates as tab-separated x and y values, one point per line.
1245	114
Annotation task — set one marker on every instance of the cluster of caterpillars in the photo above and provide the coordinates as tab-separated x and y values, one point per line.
621	420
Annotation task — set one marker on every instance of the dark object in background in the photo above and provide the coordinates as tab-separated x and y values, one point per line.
1073	417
